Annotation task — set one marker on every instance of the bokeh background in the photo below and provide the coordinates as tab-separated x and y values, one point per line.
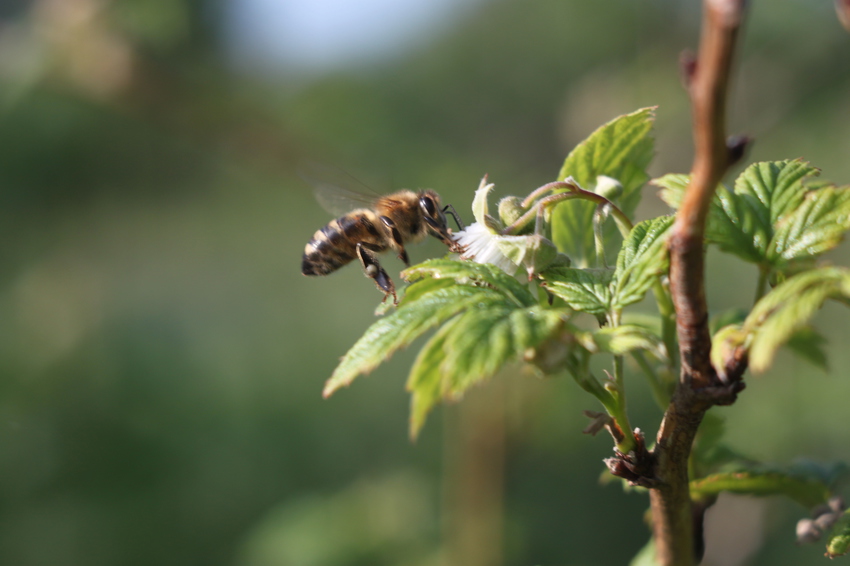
162	358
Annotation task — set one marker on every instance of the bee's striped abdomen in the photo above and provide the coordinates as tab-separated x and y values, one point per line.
335	245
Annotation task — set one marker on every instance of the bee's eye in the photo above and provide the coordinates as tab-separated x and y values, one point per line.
428	204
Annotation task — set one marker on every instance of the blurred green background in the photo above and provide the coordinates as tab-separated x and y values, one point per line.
162	358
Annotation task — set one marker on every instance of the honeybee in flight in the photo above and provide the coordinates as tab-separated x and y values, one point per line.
380	223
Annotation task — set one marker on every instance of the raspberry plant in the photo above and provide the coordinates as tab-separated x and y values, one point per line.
583	261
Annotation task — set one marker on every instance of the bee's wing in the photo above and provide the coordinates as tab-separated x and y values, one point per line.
330	189
338	200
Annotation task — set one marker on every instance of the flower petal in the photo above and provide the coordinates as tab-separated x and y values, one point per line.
479	203
481	245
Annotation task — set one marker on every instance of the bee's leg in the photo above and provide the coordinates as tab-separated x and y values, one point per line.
396	235
373	270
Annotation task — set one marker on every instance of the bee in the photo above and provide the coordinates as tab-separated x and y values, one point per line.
380	224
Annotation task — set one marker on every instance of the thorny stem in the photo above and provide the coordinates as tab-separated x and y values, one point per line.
673	524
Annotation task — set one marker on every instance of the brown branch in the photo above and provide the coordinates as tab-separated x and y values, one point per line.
699	387
708	86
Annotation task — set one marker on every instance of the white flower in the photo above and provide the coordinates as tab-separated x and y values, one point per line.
481	240
481	244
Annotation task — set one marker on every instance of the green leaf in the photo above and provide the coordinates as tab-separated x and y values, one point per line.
403	326
816	226
642	259
488	319
774	189
777	214
734	224
621	340
673	187
731	222
798	484
422	287
743	222
481	343
621	149
787	308
839	540
492	338
469	273
584	290
650	322
425	380
473	347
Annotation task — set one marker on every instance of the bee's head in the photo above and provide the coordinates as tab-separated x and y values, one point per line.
432	213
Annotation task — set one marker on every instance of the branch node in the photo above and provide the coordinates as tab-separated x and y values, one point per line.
720	394
637	467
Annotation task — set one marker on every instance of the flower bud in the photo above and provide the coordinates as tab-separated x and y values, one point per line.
608	187
510	210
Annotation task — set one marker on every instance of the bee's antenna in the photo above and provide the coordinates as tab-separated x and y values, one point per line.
451	210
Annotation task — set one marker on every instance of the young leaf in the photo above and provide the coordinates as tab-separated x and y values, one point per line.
473	347
673	187
764	194
642	259
621	149
584	290
480	344
737	226
787	308
775	216
748	479
473	274
406	324
731	223
488	319
425	380
774	189
816	226
621	340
